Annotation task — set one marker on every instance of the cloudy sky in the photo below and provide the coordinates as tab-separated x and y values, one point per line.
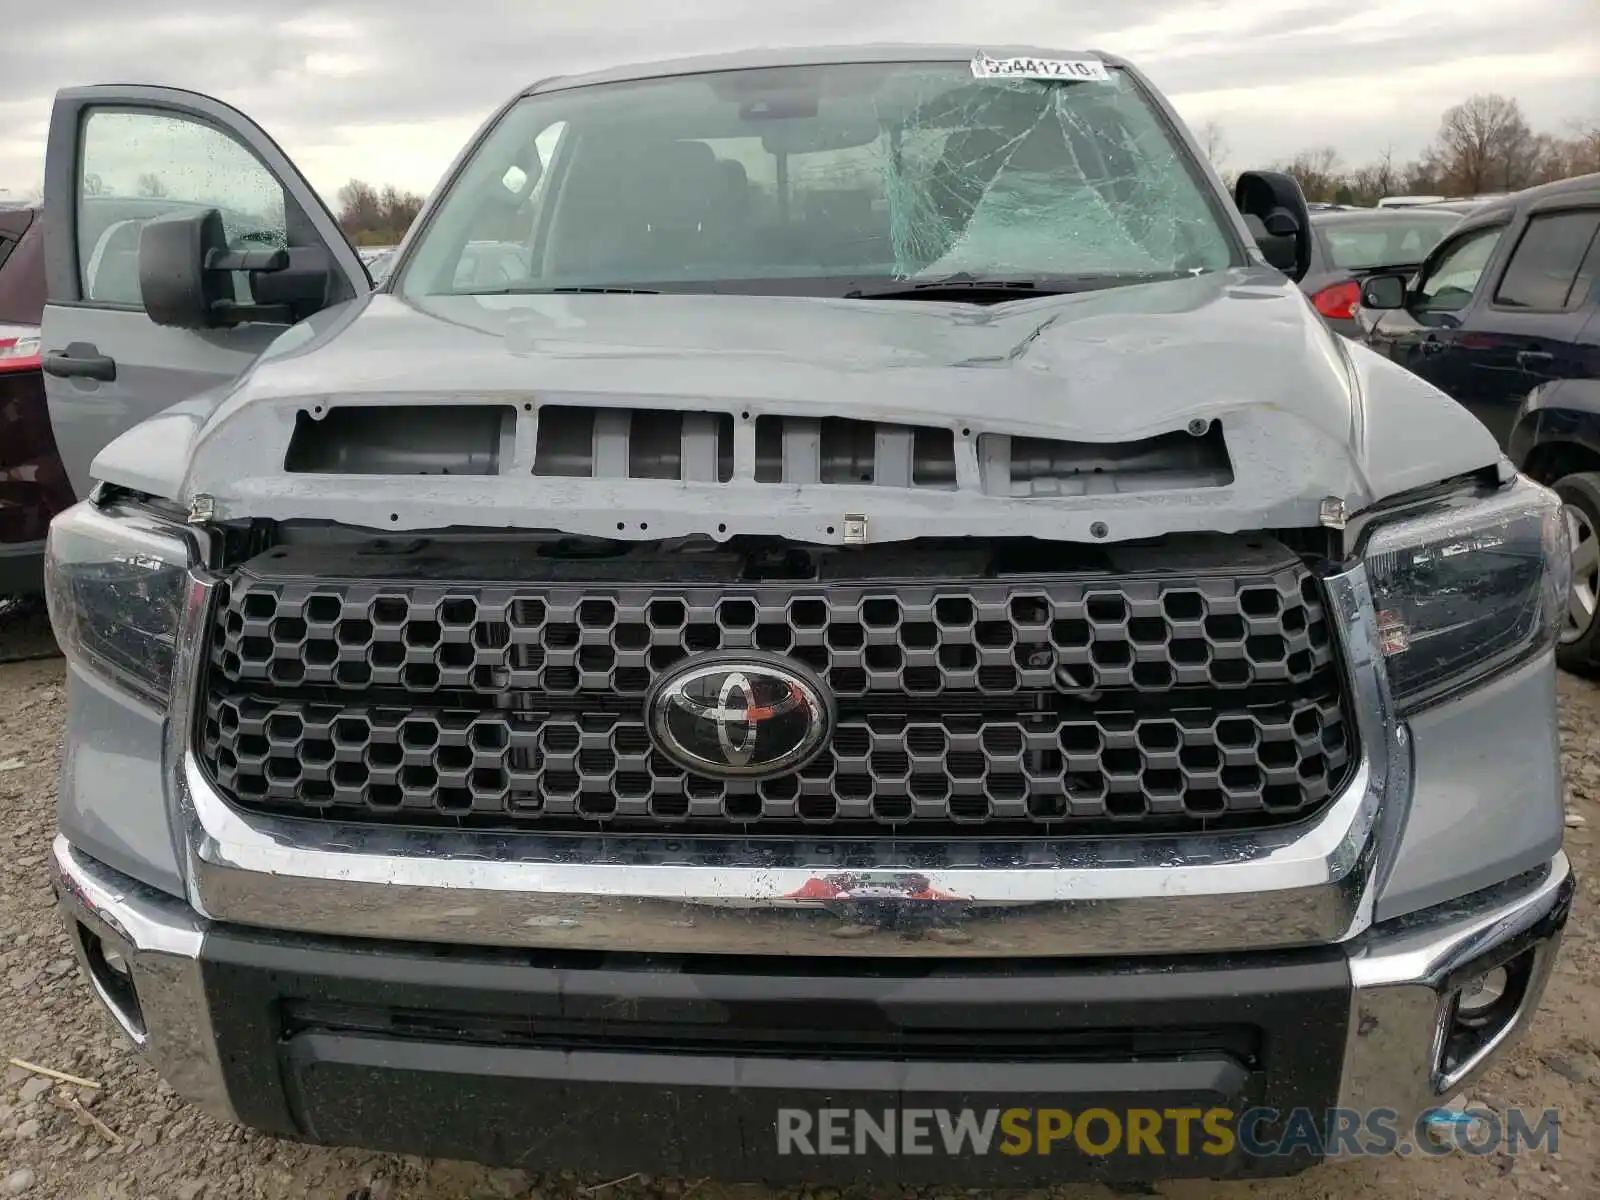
387	90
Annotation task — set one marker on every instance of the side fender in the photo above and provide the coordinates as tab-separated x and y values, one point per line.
1557	429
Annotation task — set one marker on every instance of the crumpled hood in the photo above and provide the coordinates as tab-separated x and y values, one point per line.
1305	414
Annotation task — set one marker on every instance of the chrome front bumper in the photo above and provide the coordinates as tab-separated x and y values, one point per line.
1403	976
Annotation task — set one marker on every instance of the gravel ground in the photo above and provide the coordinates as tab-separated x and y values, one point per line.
164	1149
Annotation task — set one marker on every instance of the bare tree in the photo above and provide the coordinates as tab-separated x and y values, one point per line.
1580	153
1318	172
92	185
1377	179
399	209
1214	144
1484	144
372	216
359	207
150	185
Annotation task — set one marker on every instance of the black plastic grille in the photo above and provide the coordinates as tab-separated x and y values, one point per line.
1061	705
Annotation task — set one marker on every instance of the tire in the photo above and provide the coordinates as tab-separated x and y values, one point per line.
1578	649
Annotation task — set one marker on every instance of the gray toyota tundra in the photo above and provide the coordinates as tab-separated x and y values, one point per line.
876	636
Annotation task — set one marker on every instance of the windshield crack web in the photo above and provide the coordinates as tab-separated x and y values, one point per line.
1040	178
828	180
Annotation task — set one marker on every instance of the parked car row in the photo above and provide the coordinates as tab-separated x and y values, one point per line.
378	260
1349	244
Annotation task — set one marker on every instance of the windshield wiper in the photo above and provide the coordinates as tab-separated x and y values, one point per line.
960	282
965	285
612	289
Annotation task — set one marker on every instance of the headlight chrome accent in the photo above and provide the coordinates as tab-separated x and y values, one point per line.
115	585
1467	588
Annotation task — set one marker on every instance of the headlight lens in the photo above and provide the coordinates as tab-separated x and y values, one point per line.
115	583
1468	588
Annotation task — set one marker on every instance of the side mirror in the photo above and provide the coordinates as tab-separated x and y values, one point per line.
1383	292
1275	210
174	284
186	275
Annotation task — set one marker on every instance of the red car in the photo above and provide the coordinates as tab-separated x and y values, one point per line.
33	484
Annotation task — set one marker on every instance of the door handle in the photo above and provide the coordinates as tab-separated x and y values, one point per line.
1534	358
81	360
1433	346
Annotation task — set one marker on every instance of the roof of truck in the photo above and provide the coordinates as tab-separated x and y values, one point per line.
809	56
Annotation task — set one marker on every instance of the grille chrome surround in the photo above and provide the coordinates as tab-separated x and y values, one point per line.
1148	702
1309	883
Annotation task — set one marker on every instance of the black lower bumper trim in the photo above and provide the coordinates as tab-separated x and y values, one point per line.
774	1071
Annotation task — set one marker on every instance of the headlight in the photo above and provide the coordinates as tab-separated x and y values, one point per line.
1468	588
115	584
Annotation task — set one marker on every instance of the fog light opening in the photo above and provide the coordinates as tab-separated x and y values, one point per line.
1477	1001
112	977
1479	1011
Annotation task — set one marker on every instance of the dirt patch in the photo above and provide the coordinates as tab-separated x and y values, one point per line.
163	1148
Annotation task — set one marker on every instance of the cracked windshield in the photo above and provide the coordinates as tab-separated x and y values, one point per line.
824	181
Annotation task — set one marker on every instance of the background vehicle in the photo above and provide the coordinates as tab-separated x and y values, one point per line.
1456	206
1349	244
33	485
1555	439
1409	201
378	260
1503	317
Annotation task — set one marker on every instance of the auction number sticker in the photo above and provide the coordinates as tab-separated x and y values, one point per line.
1090	69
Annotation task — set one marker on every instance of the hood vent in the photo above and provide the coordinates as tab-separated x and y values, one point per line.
1024	468
416	439
620	443
801	450
578	442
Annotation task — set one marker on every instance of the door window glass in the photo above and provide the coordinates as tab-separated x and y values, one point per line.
1454	277
1584	293
137	165
1544	265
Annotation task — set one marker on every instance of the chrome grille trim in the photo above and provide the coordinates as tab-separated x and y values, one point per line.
1307	884
1034	706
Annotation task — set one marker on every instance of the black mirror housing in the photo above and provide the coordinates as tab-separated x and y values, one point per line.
1274	209
186	275
1383	292
174	283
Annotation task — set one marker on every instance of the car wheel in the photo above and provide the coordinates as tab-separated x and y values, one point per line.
1578	646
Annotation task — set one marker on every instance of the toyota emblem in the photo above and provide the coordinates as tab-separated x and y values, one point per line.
740	715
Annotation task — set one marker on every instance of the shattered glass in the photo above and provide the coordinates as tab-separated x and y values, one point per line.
834	174
1065	181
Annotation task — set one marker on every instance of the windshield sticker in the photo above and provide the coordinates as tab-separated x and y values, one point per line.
1088	69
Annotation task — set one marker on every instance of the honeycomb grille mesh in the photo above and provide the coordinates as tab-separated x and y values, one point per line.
1051	706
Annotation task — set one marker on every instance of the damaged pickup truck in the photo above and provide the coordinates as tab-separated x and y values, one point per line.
883	606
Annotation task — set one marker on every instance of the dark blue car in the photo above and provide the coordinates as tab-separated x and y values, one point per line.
1504	315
